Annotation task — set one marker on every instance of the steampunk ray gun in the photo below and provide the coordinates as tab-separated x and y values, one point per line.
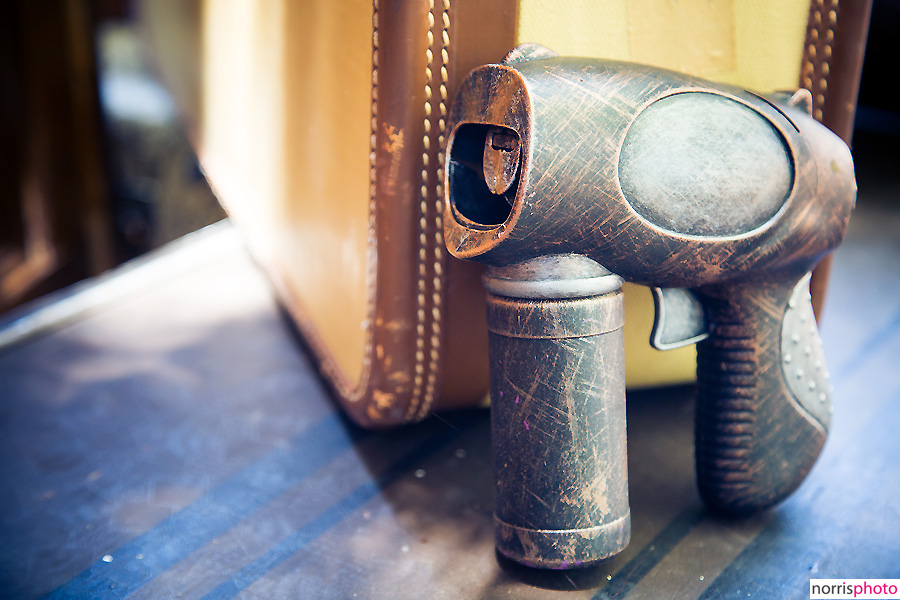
567	176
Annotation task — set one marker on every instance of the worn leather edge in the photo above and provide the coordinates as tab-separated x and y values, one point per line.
414	363
399	264
832	66
384	396
390	391
406	254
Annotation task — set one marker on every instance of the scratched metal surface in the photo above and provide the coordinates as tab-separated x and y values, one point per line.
174	441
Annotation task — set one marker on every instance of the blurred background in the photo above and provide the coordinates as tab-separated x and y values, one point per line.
95	167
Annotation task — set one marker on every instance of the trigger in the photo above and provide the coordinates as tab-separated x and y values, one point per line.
680	319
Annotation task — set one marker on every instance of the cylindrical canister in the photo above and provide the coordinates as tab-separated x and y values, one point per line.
558	419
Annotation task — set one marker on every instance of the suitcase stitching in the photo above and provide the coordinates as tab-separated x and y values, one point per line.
810	76
425	377
437	294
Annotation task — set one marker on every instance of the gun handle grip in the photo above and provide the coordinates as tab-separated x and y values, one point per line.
558	429
764	400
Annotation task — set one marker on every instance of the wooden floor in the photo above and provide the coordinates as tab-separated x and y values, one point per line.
162	435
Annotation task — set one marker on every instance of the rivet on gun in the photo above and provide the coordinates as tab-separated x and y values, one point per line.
800	373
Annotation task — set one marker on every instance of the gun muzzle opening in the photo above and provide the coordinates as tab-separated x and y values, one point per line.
484	173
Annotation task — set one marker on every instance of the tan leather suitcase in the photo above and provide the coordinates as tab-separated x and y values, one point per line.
321	126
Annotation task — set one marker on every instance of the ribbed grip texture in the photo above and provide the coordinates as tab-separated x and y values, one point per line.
726	366
755	443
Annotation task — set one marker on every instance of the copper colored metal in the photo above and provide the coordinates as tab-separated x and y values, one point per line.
501	159
665	180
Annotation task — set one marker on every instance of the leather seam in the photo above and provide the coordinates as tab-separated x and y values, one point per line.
416	399
817	81
372	258
350	393
438	275
426	368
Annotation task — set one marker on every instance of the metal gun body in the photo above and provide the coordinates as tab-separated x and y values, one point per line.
585	130
568	175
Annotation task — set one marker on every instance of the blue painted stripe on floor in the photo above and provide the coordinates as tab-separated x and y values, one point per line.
643	562
774	554
872	345
336	513
638	567
198	523
773	547
184	532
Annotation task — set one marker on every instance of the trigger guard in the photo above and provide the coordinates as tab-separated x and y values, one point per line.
679	319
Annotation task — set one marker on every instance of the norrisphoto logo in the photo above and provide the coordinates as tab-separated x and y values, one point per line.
854	588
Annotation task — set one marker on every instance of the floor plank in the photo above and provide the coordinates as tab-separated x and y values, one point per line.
156	447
